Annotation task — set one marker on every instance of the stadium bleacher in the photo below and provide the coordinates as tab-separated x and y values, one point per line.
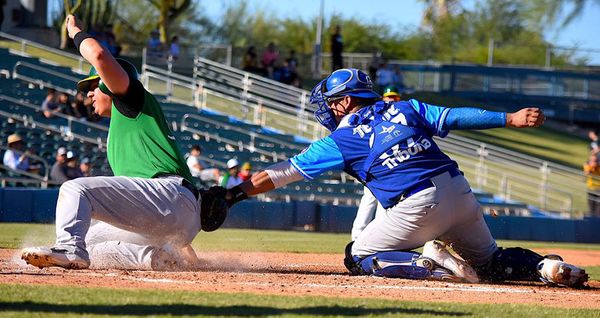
221	137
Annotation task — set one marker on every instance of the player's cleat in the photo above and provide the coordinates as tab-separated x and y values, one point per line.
437	251
48	257
557	272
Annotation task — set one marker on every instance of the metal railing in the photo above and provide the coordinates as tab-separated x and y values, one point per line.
71	122
230	99
235	143
40	82
253	135
80	65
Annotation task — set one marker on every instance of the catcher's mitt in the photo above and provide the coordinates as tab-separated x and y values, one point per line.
214	208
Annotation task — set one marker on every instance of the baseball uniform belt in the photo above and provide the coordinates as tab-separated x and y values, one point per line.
184	183
190	187
425	184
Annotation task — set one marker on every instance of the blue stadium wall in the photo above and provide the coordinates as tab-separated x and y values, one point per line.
35	205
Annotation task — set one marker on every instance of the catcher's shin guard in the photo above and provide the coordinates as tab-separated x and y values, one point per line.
416	268
514	263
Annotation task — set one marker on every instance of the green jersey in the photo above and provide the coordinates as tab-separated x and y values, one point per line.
140	143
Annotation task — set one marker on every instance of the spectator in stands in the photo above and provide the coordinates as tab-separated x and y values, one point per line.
593	135
76	107
15	158
35	166
72	166
199	168
86	167
385	76
246	172
592	170
269	59
64	102
250	63
337	47
230	179
155	46
50	105
398	78
111	40
289	72
58	173
174	50
376	60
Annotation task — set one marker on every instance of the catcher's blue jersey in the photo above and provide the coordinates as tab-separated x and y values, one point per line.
387	146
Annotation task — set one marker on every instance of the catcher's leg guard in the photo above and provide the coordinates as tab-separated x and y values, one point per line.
513	263
393	264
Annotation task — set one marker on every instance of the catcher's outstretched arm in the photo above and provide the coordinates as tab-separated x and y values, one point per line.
275	176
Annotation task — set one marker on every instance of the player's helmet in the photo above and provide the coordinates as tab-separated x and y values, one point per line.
85	84
343	82
390	91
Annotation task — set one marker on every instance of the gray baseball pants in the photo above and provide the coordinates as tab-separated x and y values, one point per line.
448	211
133	218
365	213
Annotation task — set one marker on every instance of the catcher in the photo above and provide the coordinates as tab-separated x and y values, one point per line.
146	216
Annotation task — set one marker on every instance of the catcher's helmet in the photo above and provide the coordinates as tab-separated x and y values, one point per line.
343	82
85	84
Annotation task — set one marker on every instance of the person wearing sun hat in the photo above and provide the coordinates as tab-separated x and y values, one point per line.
15	158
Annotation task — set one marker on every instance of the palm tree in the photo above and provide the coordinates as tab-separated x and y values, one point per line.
437	9
551	11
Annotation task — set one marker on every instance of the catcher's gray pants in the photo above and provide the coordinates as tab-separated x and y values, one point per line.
133	217
366	212
448	211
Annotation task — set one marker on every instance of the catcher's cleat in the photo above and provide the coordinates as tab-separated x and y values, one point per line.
48	257
557	272
437	251
440	273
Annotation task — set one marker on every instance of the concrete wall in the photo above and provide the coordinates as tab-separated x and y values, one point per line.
35	205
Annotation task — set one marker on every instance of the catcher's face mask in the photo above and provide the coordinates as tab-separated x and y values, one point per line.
344	82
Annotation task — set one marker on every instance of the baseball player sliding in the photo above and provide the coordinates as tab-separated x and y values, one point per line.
389	147
146	216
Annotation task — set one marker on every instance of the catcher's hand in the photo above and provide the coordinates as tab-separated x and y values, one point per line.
214	208
526	117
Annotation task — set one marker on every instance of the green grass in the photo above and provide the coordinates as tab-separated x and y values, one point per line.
31	301
16	235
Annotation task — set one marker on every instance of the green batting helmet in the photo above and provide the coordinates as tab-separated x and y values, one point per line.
85	84
390	91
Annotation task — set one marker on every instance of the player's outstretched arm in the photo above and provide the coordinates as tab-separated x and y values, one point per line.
526	117
275	176
111	73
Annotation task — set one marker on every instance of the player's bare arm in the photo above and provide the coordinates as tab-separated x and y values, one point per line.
112	74
259	183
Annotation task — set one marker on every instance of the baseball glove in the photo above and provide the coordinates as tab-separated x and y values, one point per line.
214	208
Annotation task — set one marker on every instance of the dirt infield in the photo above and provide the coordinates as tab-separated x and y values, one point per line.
307	274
